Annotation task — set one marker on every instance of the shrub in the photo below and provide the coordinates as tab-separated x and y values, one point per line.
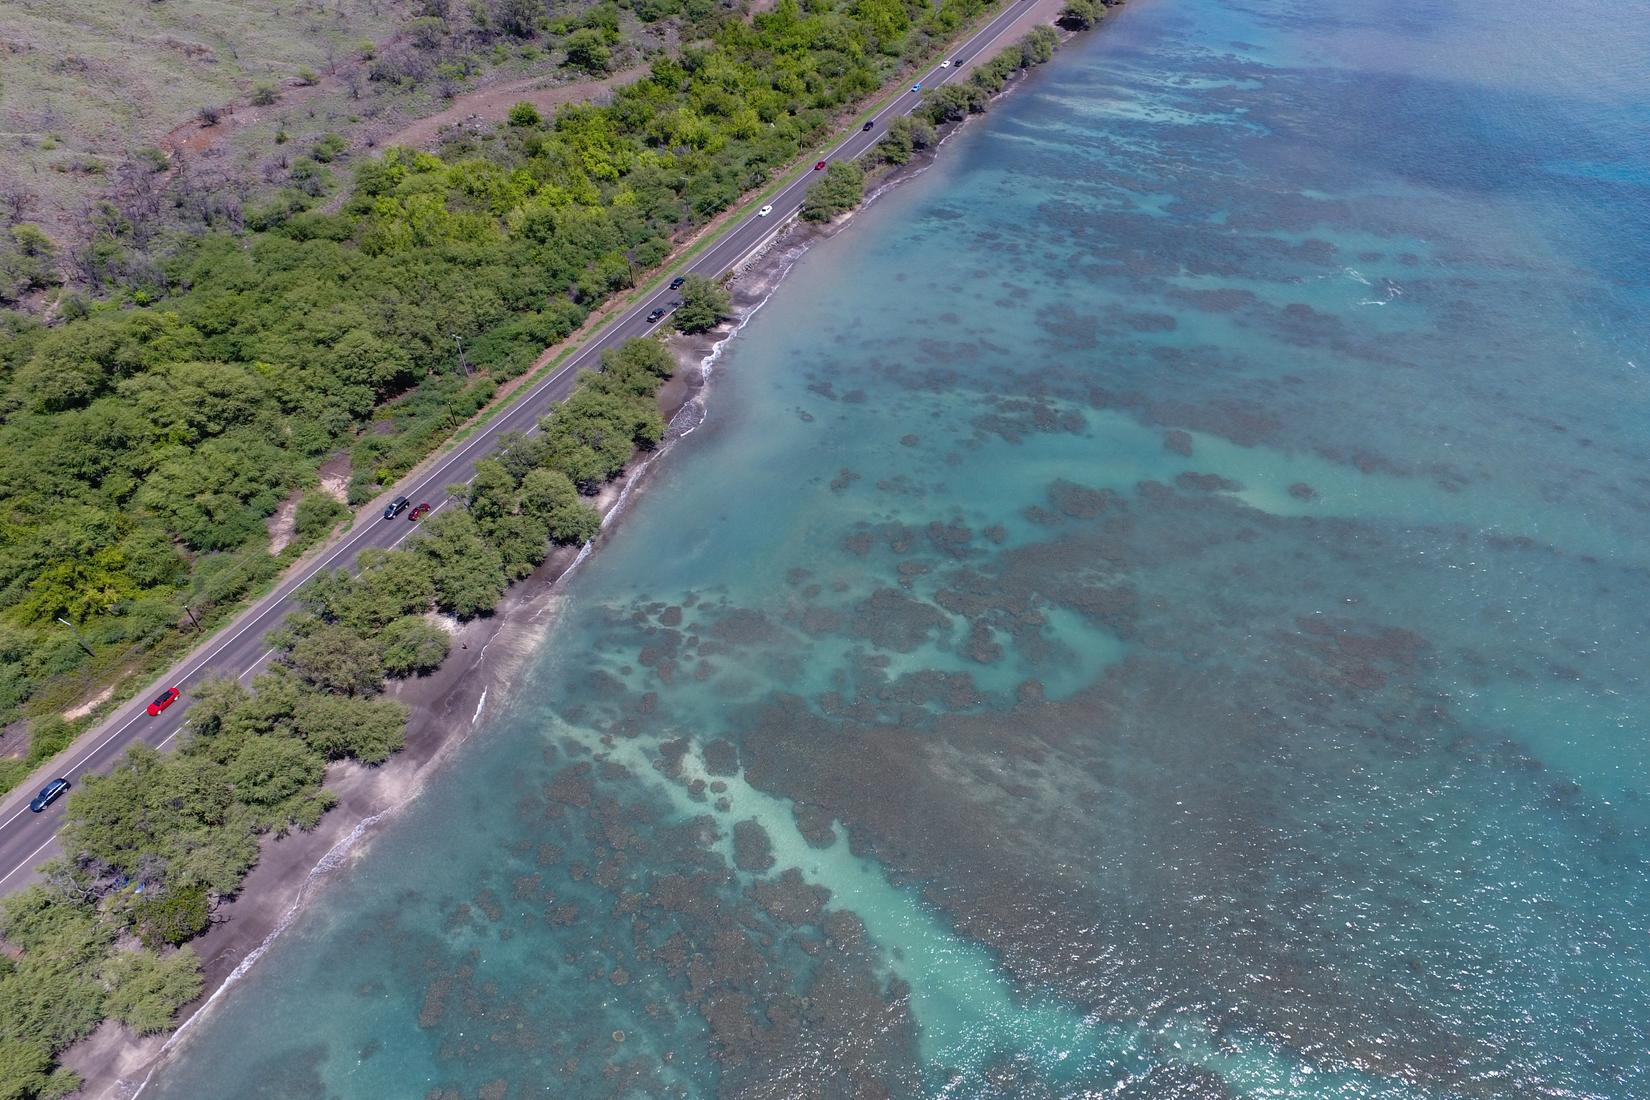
147	990
318	513
587	50
335	658
705	304
841	190
264	95
171	916
468	572
412	645
525	114
1079	15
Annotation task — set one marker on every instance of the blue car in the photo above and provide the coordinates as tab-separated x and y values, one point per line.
50	793
917	87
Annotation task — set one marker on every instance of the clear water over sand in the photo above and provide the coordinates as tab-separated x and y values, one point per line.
1156	610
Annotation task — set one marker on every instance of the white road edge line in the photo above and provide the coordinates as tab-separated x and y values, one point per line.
286	589
30	858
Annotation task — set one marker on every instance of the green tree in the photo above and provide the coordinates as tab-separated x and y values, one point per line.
146	990
587	50
368	730
841	190
335	658
318	513
467	571
950	103
524	114
171	916
492	493
705	304
270	770
1079	15
553	498
1037	47
519	17
24	1065
412	645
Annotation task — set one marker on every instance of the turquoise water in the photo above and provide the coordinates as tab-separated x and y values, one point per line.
1156	609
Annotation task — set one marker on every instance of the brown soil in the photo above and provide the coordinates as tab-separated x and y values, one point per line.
481	107
486	106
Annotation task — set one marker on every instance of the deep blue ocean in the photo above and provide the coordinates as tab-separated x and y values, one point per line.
1157	608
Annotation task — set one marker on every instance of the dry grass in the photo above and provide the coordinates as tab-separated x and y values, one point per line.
86	83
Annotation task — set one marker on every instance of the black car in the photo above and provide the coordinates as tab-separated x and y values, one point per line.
676	283
396	507
50	793
655	315
957	64
868	126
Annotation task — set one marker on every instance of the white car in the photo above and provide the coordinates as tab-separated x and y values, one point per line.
765	211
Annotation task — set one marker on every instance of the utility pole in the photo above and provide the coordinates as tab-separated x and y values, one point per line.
187	610
461	361
77	636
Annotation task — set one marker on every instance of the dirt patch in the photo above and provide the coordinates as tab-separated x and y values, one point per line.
74	714
484	107
282	523
335	474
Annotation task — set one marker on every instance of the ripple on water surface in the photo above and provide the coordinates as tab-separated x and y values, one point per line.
1154	610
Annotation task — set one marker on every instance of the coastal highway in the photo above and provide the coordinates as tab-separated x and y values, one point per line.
27	838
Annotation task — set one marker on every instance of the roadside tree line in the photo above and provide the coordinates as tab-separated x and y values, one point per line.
147	439
154	847
843	186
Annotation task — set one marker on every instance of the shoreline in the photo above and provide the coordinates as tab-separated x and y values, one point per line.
447	704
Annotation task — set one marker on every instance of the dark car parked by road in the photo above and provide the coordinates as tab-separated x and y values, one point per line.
419	512
652	318
50	793
396	507
676	283
869	126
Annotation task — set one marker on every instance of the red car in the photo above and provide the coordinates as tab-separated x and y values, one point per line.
820	167
164	700
419	512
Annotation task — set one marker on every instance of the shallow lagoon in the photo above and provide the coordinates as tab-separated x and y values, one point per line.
1155	608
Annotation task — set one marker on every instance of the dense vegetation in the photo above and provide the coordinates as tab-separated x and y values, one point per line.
705	304
152	847
147	440
841	190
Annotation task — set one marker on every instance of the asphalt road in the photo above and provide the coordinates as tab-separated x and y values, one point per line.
27	838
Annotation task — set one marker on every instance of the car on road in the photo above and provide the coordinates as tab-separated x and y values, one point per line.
396	507
50	793
945	64
820	167
917	87
676	283
419	512
653	317
867	127
164	700
765	211
956	62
